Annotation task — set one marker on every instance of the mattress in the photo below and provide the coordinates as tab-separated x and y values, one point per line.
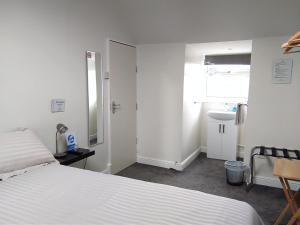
56	194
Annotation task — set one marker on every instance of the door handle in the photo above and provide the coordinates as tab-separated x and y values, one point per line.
114	107
220	128
223	128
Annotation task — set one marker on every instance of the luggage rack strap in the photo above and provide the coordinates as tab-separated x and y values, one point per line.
285	153
262	150
297	154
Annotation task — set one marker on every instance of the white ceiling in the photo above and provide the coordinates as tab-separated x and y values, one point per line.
195	21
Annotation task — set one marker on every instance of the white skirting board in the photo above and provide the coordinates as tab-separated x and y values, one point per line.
155	162
274	182
185	163
180	166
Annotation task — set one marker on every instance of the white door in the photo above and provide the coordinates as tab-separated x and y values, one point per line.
229	140
214	139
122	63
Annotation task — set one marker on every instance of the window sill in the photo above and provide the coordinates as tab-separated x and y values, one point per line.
225	100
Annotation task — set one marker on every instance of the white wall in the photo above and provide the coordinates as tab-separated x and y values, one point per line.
42	57
192	104
273	113
160	101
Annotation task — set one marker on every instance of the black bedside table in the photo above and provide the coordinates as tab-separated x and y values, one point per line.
72	157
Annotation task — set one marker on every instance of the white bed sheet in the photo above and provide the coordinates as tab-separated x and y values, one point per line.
56	194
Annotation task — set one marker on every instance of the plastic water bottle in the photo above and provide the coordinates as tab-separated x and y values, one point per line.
71	142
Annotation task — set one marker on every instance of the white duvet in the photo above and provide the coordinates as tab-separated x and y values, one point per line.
56	194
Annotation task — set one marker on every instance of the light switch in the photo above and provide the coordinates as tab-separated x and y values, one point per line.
57	105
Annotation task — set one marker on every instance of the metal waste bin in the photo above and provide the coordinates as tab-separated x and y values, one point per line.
235	172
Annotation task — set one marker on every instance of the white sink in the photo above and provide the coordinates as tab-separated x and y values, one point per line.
221	115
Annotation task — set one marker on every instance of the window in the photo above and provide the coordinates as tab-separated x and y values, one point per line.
227	81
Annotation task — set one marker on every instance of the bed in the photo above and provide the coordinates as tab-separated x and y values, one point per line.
50	193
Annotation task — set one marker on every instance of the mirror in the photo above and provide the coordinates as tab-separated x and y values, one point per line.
95	98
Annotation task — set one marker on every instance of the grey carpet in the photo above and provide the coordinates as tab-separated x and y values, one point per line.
208	175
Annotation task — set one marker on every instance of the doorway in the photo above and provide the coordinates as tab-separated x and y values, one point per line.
122	67
217	77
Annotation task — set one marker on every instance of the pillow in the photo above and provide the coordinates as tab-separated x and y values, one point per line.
22	149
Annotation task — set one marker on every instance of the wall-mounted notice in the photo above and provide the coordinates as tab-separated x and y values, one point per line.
282	71
57	105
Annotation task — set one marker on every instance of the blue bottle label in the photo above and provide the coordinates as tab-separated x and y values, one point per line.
71	142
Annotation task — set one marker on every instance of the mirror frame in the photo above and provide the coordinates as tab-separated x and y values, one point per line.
100	98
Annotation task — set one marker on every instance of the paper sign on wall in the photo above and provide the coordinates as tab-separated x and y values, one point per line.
282	71
57	105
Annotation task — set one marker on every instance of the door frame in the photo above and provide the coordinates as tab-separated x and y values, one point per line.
107	77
